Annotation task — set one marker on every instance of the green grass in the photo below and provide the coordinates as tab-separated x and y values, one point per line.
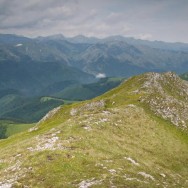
12	127
31	109
17	128
154	144
94	144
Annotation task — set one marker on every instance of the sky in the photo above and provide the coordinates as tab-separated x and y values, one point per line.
163	20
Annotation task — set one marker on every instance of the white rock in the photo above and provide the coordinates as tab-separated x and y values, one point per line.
88	183
163	175
145	175
6	185
112	171
33	129
132	161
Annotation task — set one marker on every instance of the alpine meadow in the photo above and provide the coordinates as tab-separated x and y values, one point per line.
93	94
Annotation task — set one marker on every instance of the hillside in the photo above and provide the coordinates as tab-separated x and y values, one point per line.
16	106
44	61
26	109
32	77
132	136
9	128
88	91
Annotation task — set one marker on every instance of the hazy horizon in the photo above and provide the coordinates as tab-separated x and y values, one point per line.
154	20
100	38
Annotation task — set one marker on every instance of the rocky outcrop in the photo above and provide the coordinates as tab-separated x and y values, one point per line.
92	106
167	96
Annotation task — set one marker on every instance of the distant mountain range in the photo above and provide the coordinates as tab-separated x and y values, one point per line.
69	68
135	135
114	56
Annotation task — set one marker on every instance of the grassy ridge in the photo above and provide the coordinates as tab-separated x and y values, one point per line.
112	140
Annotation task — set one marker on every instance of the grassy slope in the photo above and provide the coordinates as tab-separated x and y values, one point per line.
17	128
94	145
32	109
88	91
12	127
27	109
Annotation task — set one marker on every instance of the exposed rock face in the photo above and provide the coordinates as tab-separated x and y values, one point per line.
167	96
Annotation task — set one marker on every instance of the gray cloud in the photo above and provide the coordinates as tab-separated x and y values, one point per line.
146	19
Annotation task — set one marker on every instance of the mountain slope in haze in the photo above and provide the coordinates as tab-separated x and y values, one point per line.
16	106
30	66
26	109
115	140
176	46
121	56
30	77
117	58
113	56
88	91
31	110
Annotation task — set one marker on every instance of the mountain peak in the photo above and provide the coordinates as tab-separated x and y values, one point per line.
53	37
166	95
153	79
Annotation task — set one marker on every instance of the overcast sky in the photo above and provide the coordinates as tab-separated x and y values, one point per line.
165	20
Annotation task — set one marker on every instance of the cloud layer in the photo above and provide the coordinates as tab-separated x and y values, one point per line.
145	19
